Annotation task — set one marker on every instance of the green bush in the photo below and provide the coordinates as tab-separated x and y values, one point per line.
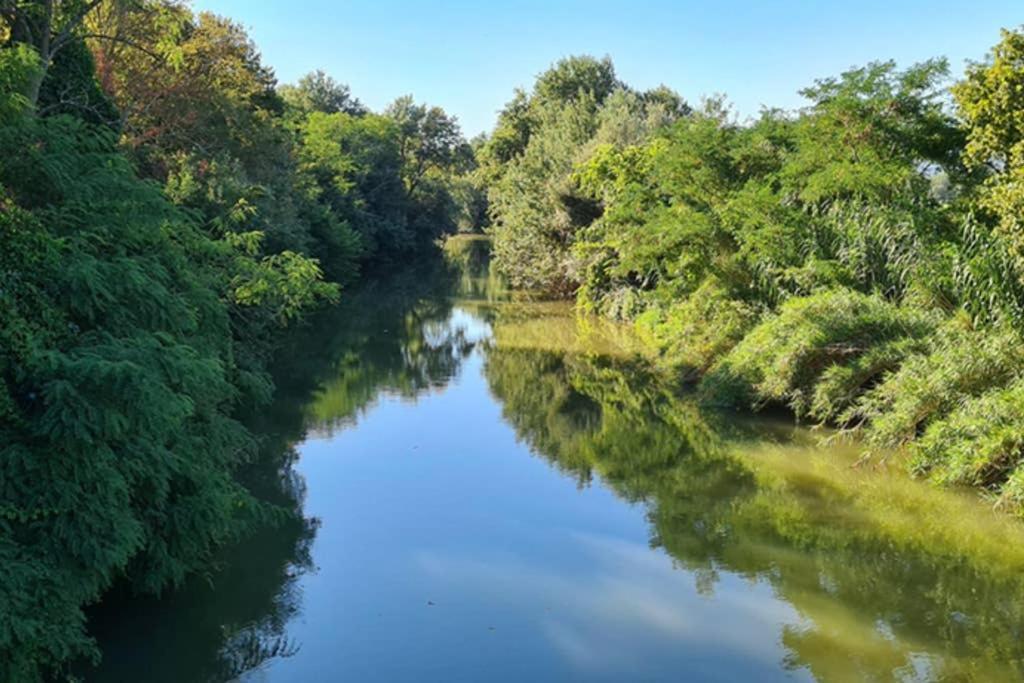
980	443
959	363
116	359
694	333
818	353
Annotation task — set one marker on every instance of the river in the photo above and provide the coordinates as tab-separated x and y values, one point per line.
479	487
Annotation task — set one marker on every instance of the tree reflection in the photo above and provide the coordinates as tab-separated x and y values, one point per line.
891	579
389	336
397	337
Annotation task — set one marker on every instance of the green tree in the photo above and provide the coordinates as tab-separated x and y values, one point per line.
316	91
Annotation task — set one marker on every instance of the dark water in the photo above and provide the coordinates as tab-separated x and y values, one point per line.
484	489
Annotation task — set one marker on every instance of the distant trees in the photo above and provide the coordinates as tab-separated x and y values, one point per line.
527	163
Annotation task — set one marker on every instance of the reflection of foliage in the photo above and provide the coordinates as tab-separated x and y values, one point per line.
479	278
878	586
394	338
249	649
383	337
234	619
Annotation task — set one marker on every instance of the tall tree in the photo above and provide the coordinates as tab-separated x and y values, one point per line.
991	103
316	91
428	139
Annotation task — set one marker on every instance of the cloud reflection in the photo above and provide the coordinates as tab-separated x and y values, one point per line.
622	605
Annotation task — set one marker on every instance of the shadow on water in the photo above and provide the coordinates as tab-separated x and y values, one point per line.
878	577
388	336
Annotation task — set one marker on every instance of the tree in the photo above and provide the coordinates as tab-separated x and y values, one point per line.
573	77
990	101
316	91
537	208
355	165
46	27
428	140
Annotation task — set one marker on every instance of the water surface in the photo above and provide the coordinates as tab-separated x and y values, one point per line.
490	489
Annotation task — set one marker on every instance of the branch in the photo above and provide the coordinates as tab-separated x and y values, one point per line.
65	34
125	41
22	22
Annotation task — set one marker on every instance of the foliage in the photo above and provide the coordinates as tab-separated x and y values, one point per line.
979	444
817	353
857	261
958	364
317	91
17	66
117	364
695	332
535	205
166	208
991	102
165	211
353	164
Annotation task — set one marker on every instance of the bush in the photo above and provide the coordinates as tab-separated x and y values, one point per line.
980	443
818	353
117	389
958	364
699	330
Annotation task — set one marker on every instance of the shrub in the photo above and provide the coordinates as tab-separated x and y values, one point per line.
818	353
958	364
980	443
697	331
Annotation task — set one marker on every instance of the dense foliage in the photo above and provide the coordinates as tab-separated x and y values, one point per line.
527	162
230	622
165	212
858	261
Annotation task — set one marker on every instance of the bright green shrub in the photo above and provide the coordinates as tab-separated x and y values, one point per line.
841	338
698	330
980	443
958	364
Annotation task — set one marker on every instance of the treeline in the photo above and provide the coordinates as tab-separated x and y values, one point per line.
859	260
166	210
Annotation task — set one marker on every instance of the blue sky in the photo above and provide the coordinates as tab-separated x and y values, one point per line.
468	56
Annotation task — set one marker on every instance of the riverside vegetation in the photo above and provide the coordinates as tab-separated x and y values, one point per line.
794	564
858	261
167	211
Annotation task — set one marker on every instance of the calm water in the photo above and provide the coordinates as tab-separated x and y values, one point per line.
488	489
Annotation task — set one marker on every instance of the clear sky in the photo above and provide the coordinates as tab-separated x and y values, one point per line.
468	56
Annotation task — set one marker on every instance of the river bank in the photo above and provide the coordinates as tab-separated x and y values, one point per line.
586	520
